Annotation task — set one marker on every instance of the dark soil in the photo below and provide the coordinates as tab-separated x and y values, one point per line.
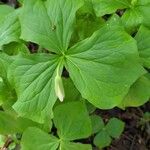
136	136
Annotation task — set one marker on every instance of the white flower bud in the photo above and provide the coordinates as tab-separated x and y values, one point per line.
59	89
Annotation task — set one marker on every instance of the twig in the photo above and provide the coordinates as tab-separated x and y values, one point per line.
133	142
7	143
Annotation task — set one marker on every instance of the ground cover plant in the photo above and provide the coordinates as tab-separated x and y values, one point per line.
74	74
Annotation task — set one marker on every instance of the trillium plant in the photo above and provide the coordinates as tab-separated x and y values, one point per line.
85	55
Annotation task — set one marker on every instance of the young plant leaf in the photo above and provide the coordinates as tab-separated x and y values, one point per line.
102	139
115	127
97	123
52	22
72	121
104	66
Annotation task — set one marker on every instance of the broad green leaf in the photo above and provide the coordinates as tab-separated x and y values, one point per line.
139	93
72	121
97	123
104	66
33	78
64	145
103	7
143	38
5	10
115	127
52	22
9	28
102	139
34	138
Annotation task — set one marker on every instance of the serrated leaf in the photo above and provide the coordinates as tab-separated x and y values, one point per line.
115	127
52	22
9	28
74	146
139	93
102	139
97	123
33	78
34	138
143	38
103	7
72	121
104	66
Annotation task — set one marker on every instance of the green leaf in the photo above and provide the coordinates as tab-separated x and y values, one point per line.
97	123
139	93
71	93
5	62
144	9
103	7
72	121
10	124
33	78
104	66
91	108
143	38
137	14
10	28
74	146
102	139
52	22
2	140
7	96
115	127
14	48
132	19
34	138
5	10
86	23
